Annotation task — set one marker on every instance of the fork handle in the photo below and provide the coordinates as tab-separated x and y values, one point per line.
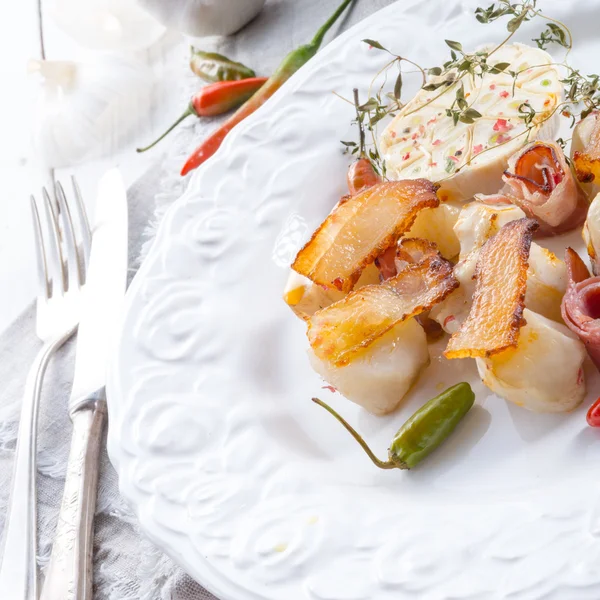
18	571
69	574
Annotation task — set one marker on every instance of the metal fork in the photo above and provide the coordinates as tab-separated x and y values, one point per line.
62	256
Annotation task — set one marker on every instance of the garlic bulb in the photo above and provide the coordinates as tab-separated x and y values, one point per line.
115	25
204	17
84	110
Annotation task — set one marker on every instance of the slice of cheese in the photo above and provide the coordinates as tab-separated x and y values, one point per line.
469	158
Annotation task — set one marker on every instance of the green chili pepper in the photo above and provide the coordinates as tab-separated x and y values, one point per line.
213	67
290	64
423	432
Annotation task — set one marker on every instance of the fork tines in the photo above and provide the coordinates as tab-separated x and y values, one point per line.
55	229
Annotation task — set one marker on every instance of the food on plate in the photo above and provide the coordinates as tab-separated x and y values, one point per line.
424	431
468	155
410	251
496	313
215	99
546	283
290	64
361	174
591	234
546	276
368	346
476	224
359	229
543	373
522	356
581	305
593	414
437	226
347	327
381	375
540	182
213	67
305	297
585	149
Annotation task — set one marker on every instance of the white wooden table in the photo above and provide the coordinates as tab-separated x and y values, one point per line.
20	175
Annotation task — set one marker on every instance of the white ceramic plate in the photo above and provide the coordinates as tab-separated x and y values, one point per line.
257	492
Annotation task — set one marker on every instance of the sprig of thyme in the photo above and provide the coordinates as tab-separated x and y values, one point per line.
365	120
378	106
582	92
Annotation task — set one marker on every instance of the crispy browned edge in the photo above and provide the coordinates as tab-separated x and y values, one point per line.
587	162
345	285
435	267
587	168
520	231
426	247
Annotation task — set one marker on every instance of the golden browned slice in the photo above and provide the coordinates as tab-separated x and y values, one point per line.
496	314
587	160
337	333
360	228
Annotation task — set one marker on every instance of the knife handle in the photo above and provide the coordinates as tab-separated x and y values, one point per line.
69	574
18	568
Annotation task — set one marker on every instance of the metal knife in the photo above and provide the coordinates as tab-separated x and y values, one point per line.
69	574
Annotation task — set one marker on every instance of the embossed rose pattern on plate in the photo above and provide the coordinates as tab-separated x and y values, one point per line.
232	470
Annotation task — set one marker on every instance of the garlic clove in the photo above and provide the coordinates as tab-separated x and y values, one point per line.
86	109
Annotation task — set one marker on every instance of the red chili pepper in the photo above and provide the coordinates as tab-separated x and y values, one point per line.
290	64
593	414
361	176
216	99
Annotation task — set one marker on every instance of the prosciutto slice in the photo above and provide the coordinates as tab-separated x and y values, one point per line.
410	251
539	181
581	305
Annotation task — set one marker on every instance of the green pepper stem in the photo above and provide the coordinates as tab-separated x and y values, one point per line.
190	111
318	39
361	131
377	462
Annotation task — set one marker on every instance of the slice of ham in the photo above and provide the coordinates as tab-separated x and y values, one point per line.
341	331
540	182
386	263
410	251
581	305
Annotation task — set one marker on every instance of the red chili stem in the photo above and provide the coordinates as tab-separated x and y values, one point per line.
216	99
290	64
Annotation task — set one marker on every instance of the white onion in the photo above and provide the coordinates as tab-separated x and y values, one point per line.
114	25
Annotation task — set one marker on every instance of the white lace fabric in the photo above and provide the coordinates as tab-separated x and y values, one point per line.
127	566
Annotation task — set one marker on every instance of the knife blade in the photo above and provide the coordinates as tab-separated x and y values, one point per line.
102	297
69	572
